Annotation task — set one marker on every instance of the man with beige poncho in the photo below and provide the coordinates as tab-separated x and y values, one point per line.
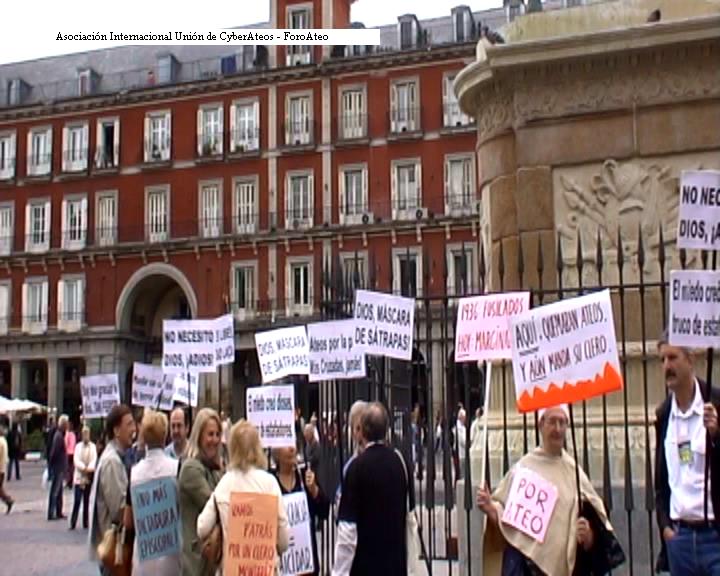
551	536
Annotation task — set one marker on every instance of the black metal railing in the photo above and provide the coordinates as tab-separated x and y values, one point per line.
404	119
352	126
299	132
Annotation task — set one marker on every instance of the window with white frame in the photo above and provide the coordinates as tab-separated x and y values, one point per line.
245	205
353	193
299	18
461	270
245	126
354	271
299	198
353	115
407	272
35	305
86	82
157	136
404	107
157	210
244	289
74	222
71	303
5	306
39	161
459	183
298	120
210	209
37	223
406	187
7	155
75	148
106	219
107	147
7	227
300	286
210	130
453	116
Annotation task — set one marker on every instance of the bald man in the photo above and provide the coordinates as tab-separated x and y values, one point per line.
179	434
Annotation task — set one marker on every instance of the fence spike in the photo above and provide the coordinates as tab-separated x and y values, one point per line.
501	263
661	247
482	271
540	259
579	254
620	251
559	262
641	250
521	261
599	254
683	258
704	259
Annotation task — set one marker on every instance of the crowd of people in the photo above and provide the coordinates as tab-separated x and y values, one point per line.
374	501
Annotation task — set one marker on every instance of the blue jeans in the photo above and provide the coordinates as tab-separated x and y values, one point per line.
55	502
694	552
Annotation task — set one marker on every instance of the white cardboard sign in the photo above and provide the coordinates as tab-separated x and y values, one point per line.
298	558
694	308
152	388
271	409
333	354
99	394
699	213
384	324
198	345
282	352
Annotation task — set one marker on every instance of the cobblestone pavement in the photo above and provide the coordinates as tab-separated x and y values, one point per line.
29	544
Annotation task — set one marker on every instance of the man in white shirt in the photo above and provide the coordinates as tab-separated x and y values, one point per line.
687	430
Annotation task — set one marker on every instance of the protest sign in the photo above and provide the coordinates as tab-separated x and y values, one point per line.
530	503
99	394
483	327
252	534
157	522
298	558
184	385
282	352
152	388
271	409
694	308
565	352
333	354
699	213
198	345
384	324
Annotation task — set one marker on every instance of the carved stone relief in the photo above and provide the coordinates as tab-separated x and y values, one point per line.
635	198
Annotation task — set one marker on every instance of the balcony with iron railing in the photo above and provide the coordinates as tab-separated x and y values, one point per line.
75	160
7	168
455	119
211	144
39	165
299	133
107	158
352	127
157	150
405	121
245	140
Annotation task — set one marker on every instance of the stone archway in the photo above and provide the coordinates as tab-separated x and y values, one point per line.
153	288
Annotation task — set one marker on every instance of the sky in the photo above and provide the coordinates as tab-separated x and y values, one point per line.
24	37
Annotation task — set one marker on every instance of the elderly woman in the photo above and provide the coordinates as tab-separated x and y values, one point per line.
290	480
85	460
246	473
200	474
155	466
536	526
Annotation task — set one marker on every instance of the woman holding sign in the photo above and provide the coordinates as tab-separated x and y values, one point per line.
291	481
536	525
254	529
199	476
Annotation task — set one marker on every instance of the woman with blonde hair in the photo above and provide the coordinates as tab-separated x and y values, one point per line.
199	476
246	473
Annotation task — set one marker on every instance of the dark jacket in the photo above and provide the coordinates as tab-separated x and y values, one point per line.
662	486
14	440
57	459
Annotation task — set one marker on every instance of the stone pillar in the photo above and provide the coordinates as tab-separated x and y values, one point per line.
55	384
18	379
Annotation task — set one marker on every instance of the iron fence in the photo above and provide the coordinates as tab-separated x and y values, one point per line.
615	444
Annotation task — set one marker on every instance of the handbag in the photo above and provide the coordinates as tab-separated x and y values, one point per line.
412	531
114	554
211	547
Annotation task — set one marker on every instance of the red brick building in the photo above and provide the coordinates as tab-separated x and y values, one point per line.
143	183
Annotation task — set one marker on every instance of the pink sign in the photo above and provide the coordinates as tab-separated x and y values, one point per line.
530	504
483	327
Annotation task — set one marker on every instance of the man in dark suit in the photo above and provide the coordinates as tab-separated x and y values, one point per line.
373	506
57	465
687	432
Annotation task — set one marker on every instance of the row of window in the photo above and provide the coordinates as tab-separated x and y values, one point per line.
244	129
244	292
406	201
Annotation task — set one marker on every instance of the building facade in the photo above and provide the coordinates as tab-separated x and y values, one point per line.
144	183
